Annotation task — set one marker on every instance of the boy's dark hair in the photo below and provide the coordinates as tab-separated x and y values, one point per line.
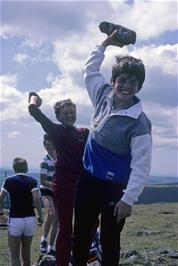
130	65
20	165
59	105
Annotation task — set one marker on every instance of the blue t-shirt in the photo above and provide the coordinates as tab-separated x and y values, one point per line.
20	189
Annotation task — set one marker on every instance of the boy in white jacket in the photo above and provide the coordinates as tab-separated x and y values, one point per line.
117	156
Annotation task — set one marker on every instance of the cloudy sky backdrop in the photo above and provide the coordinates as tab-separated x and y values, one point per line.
43	47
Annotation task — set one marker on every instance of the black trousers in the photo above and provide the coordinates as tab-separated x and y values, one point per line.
96	197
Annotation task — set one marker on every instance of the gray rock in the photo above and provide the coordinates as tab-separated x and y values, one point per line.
129	253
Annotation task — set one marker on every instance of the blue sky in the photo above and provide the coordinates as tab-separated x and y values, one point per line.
43	47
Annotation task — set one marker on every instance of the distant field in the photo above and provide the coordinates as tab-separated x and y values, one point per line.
152	229
167	193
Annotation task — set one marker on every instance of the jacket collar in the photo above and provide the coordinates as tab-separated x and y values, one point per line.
134	111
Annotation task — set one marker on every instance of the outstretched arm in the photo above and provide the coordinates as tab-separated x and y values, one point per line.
94	80
34	103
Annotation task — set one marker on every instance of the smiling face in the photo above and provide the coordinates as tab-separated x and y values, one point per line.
67	115
125	87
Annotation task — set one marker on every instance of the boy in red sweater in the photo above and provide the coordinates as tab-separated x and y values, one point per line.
69	142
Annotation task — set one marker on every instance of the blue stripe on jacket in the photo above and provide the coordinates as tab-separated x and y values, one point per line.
105	164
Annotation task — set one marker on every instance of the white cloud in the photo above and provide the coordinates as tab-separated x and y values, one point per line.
69	56
13	102
163	56
61	89
118	5
8	80
39	52
21	58
12	134
8	92
68	53
148	18
164	127
50	77
6	30
15	111
32	43
15	105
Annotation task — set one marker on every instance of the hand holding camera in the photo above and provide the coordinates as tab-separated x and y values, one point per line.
118	35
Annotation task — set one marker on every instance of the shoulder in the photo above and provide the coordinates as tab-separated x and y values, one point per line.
11	178
32	180
7	181
140	126
145	122
83	131
45	160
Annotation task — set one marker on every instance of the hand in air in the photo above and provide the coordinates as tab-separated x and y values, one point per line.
112	39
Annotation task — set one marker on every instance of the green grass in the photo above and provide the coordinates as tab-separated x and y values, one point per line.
150	227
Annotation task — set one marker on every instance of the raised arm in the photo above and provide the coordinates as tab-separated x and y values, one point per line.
34	103
94	80
35	99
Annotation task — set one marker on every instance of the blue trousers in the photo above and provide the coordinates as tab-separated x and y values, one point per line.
94	198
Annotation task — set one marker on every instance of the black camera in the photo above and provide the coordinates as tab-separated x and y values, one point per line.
124	35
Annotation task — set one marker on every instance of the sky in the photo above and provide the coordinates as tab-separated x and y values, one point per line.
44	45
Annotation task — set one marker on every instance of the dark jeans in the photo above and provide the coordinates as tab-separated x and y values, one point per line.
95	197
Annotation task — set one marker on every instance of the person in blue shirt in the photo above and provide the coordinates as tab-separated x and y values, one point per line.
117	155
24	197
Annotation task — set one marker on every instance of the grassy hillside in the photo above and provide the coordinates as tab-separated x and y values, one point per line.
150	237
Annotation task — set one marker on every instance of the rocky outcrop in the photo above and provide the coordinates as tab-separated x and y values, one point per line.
160	256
